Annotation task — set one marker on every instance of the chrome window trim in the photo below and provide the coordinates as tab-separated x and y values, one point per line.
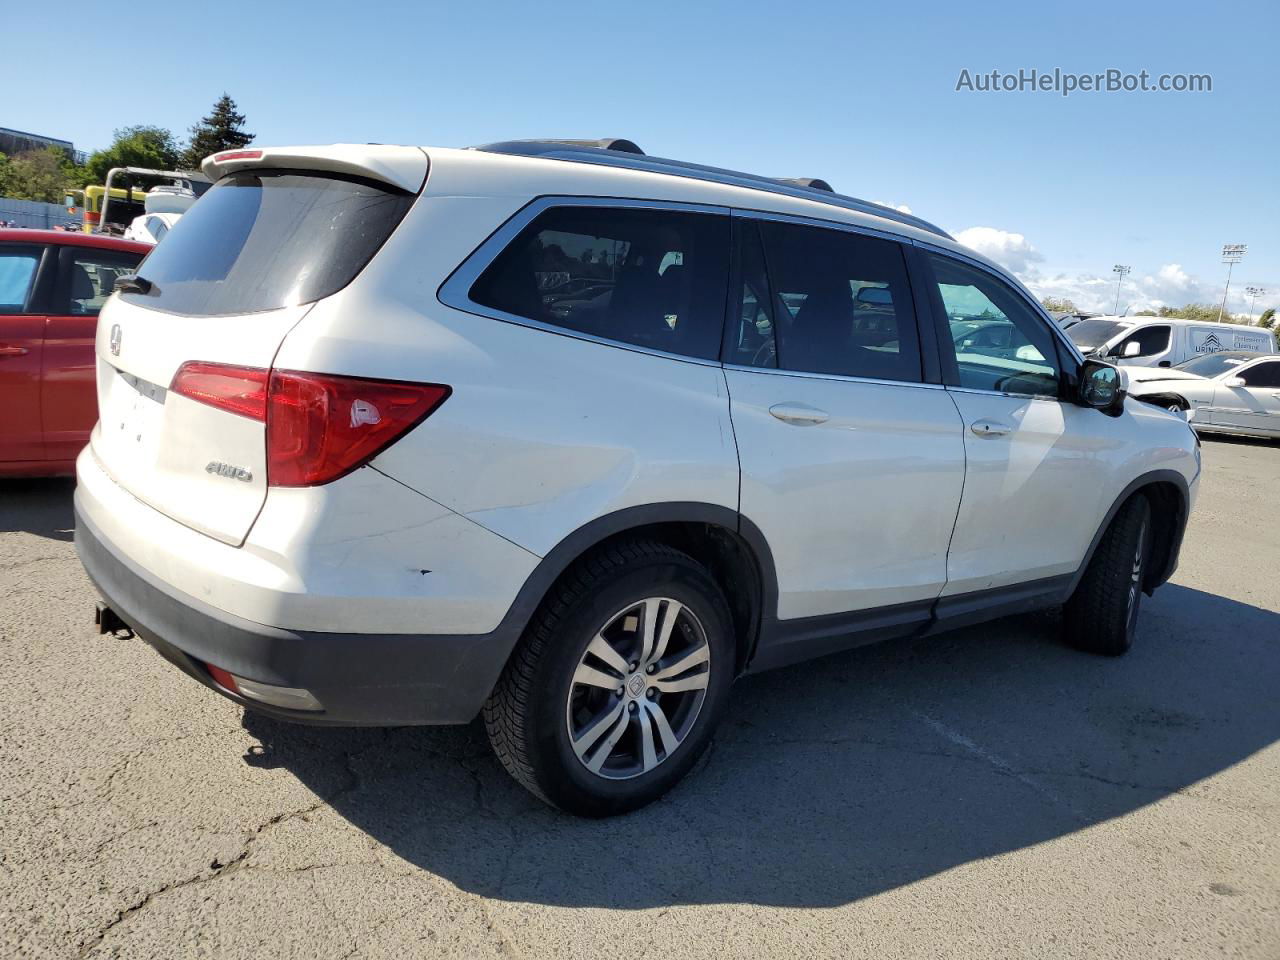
844	378
559	150
745	213
1004	393
455	292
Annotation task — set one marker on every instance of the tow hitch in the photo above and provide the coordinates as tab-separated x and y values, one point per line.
108	621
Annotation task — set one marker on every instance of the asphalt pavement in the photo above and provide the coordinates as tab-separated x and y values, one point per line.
985	793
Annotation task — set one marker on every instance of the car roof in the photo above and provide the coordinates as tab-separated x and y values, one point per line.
527	170
1177	321
68	238
490	173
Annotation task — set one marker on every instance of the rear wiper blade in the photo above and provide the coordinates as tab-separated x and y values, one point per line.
133	283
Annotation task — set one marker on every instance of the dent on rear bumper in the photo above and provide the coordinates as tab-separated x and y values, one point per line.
362	555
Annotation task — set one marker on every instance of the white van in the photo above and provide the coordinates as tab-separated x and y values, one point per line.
1164	341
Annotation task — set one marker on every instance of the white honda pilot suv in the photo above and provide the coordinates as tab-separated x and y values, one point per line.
571	437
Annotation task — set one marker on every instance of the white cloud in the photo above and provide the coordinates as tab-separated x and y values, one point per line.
1168	286
1011	250
900	207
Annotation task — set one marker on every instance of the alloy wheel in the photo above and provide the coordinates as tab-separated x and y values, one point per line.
638	688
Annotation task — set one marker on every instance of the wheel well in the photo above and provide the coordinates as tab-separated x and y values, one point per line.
727	556
1167	519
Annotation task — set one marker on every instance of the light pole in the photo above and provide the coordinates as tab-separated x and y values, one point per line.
1232	253
1255	293
1121	271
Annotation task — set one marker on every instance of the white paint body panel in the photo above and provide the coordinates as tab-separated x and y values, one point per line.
1034	497
858	509
157	444
347	557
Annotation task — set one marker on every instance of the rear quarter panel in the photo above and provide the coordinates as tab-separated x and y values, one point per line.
543	433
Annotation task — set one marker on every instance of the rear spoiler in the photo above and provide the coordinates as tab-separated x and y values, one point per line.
402	167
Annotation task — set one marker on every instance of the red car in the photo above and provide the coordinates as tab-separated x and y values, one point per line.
52	285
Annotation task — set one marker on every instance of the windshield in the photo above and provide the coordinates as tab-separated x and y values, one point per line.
1212	364
262	240
1088	335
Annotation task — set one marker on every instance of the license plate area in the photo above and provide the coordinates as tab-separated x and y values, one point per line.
137	414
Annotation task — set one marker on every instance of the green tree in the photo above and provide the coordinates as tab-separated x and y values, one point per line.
1058	305
223	129
1202	312
36	175
1268	318
137	146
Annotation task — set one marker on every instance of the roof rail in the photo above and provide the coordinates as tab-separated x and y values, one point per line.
617	155
809	183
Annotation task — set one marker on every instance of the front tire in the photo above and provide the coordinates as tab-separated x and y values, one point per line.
1102	614
618	683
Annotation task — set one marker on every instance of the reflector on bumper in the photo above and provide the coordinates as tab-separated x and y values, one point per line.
288	698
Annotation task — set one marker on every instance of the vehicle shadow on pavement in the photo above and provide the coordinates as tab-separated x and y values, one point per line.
41	506
842	778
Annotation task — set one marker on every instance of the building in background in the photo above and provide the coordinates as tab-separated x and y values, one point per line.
14	142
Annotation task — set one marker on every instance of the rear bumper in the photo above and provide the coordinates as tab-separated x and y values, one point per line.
359	679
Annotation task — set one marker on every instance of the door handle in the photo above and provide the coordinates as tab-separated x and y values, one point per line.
989	428
13	351
799	414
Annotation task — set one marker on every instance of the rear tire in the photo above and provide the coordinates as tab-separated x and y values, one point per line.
1102	614
617	685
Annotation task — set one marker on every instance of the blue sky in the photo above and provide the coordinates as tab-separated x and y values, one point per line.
861	94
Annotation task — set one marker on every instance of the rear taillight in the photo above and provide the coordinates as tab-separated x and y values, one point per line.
241	390
319	426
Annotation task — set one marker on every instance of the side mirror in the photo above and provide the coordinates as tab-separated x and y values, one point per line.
1132	349
1233	382
1100	387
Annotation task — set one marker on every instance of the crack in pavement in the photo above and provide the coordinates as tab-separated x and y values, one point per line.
220	870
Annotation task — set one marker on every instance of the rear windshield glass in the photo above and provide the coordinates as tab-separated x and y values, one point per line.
1091	334
267	239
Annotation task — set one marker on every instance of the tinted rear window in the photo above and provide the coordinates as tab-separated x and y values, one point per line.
267	239
654	278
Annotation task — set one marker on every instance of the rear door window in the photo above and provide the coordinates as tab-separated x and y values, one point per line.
841	302
89	277
654	278
750	341
17	277
260	240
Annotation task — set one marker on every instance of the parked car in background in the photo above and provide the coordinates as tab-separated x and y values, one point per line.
1164	341
1065	320
151	227
164	205
358	465
52	285
1234	391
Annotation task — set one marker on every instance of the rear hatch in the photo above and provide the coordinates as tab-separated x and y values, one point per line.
280	230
